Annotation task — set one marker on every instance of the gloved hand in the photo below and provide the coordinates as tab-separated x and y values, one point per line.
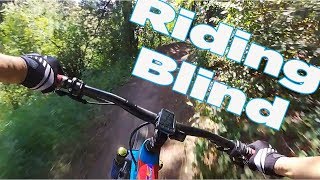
239	153
264	158
42	72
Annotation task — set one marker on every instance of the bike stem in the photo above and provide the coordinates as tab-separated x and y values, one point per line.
155	143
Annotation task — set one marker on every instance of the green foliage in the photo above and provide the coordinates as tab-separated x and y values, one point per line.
151	39
33	143
13	96
112	76
28	30
41	135
290	27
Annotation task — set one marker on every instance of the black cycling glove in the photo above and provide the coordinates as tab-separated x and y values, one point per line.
42	72
264	158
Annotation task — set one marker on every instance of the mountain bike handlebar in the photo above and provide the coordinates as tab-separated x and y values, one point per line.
133	109
77	89
151	117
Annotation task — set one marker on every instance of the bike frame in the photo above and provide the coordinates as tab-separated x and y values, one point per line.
148	164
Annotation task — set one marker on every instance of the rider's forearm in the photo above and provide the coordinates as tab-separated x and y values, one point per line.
298	167
12	69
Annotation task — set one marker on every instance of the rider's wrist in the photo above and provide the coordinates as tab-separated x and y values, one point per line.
14	71
23	69
281	167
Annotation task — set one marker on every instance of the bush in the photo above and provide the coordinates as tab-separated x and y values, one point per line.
286	27
41	135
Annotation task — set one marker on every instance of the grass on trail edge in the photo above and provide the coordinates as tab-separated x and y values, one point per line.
40	138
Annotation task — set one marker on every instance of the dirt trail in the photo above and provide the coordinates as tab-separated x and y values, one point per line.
118	125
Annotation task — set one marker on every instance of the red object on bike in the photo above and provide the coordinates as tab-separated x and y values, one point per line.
147	171
60	78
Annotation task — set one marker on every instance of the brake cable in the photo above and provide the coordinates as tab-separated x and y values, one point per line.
130	141
101	103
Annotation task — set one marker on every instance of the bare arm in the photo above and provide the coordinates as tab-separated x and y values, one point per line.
12	69
298	167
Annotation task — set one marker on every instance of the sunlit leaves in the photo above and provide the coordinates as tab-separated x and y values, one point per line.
290	27
40	135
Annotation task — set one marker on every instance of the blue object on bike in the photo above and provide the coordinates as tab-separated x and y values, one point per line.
115	170
145	157
133	172
148	157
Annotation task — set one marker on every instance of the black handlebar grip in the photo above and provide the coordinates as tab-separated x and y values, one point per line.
249	152
243	149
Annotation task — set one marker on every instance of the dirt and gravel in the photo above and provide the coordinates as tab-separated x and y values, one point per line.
118	124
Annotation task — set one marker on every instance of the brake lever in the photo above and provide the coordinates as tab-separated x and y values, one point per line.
237	159
61	93
221	148
241	153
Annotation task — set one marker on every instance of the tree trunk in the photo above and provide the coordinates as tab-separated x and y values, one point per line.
130	42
